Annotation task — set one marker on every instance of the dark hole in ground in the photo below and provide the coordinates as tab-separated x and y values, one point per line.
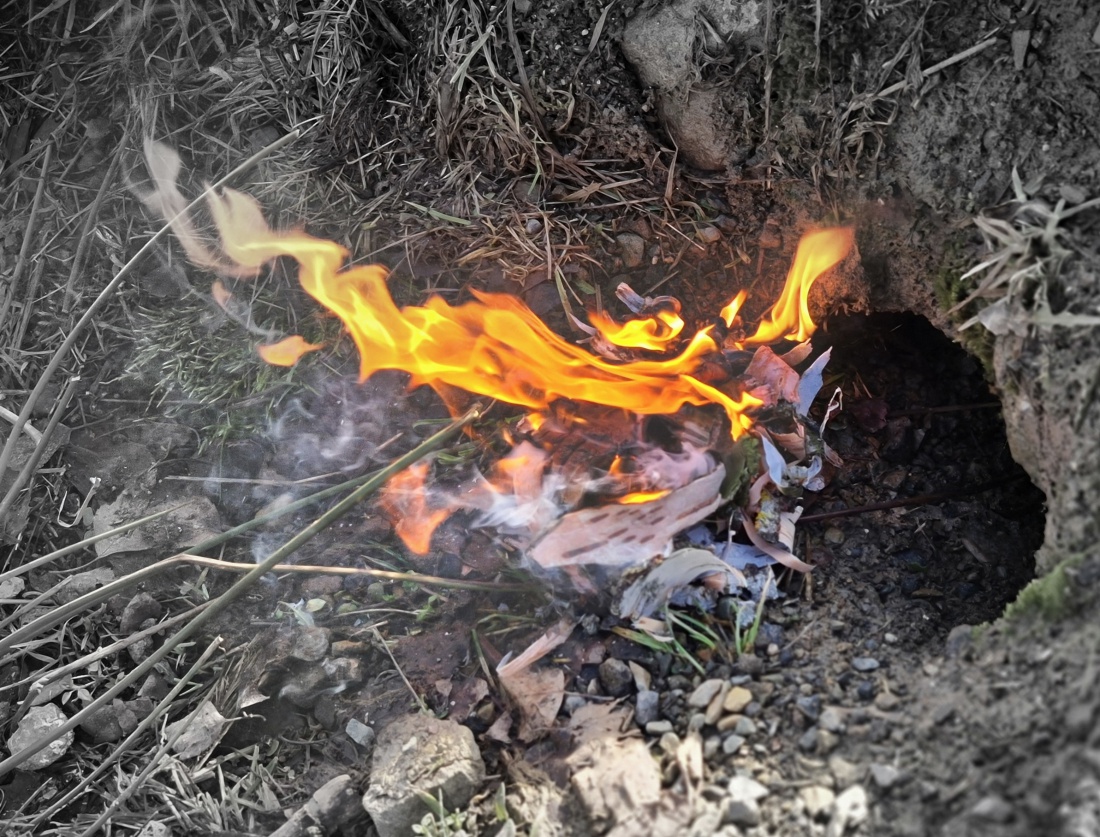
919	424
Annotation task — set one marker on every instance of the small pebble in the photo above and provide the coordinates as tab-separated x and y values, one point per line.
849	810
646	707
865	690
616	677
736	700
887	701
844	772
745	726
834	536
711	746
704	694
573	703
826	741
992	808
807	742
865	663
657	728
732	744
884	776
743	813
817	800
709	234
832	720
809	706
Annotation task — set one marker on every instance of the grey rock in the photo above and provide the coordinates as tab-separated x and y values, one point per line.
807	742
631	248
420	753
310	643
832	720
360	733
574	702
732	743
332	805
40	722
809	706
646	707
745	727
704	693
749	664
959	641
865	663
140	608
616	677
658	727
992	808
844	772
741	788
745	813
826	741
884	776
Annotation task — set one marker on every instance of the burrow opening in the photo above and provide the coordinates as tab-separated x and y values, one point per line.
947	523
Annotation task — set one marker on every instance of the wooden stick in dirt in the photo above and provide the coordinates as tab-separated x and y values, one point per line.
244	583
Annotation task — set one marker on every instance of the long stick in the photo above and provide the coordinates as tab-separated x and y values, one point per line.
63	350
244	583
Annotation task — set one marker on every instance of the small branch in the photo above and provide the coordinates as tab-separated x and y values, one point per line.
919	500
389	575
234	592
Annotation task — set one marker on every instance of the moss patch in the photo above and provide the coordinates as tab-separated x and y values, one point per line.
1046	597
951	289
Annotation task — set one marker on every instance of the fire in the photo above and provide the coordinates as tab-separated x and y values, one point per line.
639	497
495	346
789	318
654	333
406	503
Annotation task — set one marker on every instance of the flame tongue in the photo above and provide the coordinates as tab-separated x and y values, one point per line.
789	318
496	347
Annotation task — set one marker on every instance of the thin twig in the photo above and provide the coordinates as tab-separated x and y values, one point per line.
28	237
241	585
40	448
146	722
390	575
919	500
66	346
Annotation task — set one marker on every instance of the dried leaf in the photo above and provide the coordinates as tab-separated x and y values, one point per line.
201	731
537	695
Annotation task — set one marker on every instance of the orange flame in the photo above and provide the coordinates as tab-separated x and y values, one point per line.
733	308
495	346
789	318
654	333
639	497
406	504
287	351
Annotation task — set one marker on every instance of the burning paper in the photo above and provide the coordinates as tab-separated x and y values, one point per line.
619	452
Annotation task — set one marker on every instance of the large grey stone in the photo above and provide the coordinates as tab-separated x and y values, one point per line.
420	753
39	722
